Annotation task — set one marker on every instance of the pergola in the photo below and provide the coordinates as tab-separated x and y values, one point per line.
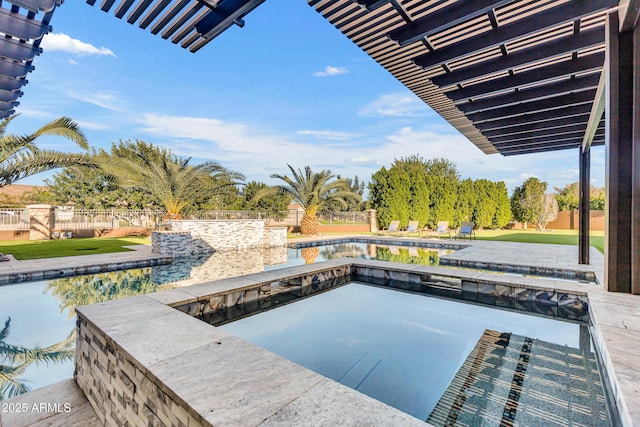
513	76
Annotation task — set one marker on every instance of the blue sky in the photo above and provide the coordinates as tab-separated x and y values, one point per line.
286	88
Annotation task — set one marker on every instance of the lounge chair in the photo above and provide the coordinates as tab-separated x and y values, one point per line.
466	230
394	227
441	228
413	227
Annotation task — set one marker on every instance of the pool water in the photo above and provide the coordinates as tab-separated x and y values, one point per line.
442	361
42	313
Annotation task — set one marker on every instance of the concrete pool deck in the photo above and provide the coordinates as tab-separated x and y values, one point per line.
616	319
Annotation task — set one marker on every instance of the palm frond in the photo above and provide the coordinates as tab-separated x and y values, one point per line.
25	164
66	128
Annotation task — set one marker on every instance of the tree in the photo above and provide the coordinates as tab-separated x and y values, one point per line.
314	191
15	359
503	213
353	204
168	178
442	180
548	213
465	203
20	157
400	193
568	197
530	204
93	189
258	196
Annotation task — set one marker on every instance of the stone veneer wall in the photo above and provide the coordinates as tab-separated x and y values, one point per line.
119	390
193	237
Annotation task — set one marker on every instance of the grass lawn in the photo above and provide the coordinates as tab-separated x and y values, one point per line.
560	237
31	249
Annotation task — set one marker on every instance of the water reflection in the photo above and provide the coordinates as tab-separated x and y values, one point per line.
82	290
15	359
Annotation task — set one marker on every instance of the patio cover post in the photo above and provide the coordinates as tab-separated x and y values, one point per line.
618	166
635	196
583	205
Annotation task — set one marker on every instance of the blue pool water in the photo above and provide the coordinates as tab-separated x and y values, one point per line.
406	350
41	313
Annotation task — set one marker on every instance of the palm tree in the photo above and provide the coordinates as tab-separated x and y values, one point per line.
20	157
15	359
314	192
169	178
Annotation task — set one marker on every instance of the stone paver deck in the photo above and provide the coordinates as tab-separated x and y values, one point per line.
616	317
58	405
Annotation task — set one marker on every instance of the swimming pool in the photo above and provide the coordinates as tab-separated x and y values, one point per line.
439	360
41	313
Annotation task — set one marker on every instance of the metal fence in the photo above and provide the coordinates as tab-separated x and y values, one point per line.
226	215
86	219
343	218
294	218
14	218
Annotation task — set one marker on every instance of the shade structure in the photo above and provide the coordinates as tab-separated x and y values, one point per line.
514	77
190	23
489	67
23	23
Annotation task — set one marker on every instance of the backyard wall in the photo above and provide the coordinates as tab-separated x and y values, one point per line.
570	220
189	237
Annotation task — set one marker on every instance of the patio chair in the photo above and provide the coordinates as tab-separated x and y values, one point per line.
413	227
441	228
466	230
394	227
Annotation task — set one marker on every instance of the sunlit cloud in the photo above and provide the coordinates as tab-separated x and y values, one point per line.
105	99
64	43
403	104
328	134
331	71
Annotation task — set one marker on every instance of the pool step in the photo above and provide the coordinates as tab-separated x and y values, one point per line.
358	373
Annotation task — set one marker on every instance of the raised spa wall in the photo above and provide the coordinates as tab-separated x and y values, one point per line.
192	237
144	361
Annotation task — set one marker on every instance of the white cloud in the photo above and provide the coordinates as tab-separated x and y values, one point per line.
331	71
92	125
403	104
258	153
64	43
105	99
328	134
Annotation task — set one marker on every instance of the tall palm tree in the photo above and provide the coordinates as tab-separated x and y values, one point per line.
315	191
15	359
171	179
20	157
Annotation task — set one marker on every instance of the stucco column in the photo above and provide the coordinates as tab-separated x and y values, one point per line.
372	217
41	221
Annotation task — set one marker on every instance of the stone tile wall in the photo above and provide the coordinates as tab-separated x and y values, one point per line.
548	302
303	284
118	390
187	238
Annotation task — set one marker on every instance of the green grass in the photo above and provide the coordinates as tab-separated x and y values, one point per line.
560	237
33	249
